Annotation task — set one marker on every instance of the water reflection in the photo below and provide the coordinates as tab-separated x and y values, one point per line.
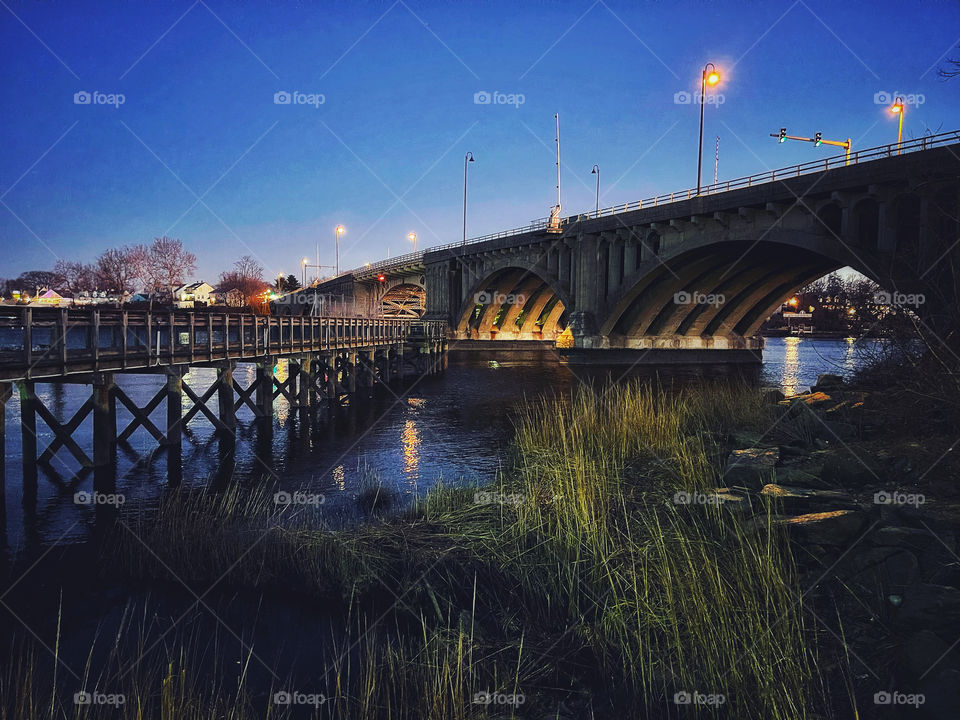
410	439
849	362
791	366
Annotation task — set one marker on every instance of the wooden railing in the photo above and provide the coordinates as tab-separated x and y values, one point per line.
47	342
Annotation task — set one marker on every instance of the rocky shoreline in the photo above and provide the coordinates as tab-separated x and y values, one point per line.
874	533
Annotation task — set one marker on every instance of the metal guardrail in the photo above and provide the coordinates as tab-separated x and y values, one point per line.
51	342
875	153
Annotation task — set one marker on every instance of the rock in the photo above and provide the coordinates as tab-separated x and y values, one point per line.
913	539
740	439
941	694
836	430
820	444
773	396
798	477
800	499
927	605
793	451
881	572
751	467
810	398
828	380
836	527
919	650
847	470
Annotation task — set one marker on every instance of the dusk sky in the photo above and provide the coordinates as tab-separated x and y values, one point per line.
200	151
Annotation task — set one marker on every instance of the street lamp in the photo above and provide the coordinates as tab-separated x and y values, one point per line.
339	231
596	171
468	158
303	272
897	109
413	236
711	77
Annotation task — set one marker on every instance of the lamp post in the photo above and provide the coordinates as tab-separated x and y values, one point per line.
897	109
303	272
413	236
468	158
596	171
338	232
710	76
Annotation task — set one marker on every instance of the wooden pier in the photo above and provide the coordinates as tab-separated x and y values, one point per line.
329	360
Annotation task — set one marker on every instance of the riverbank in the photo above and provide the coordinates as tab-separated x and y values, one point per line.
642	549
575	587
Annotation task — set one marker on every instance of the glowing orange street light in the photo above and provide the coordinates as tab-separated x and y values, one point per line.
897	109
340	230
794	301
710	76
413	238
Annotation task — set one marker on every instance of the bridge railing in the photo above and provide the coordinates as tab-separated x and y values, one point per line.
43	342
835	161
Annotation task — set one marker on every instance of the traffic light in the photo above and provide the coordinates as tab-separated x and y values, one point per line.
381	277
817	139
783	134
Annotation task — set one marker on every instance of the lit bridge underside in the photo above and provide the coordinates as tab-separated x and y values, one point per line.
693	273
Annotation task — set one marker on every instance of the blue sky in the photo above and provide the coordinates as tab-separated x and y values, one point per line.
383	153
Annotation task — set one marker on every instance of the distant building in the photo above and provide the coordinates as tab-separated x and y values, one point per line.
192	295
231	297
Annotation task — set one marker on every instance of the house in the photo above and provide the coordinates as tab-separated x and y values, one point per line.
192	295
52	298
231	297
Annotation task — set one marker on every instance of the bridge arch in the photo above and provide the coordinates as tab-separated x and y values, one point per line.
513	303
717	289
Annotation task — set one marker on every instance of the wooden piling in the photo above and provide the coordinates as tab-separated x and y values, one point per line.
228	414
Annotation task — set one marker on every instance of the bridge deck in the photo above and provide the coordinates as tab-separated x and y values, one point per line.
46	343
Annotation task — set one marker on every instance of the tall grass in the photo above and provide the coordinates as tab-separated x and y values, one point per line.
588	591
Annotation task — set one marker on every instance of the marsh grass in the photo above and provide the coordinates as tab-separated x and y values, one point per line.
590	593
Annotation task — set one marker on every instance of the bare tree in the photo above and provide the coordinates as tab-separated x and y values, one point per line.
247	277
116	269
72	277
168	264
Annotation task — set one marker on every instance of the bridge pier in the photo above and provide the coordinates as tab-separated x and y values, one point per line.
225	398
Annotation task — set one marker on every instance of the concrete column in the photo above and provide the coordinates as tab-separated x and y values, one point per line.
629	255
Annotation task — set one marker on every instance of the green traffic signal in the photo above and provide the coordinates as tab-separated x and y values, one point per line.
817	139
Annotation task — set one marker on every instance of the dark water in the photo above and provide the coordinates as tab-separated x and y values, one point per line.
453	427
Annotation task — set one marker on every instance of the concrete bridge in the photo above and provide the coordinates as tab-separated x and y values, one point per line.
687	272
